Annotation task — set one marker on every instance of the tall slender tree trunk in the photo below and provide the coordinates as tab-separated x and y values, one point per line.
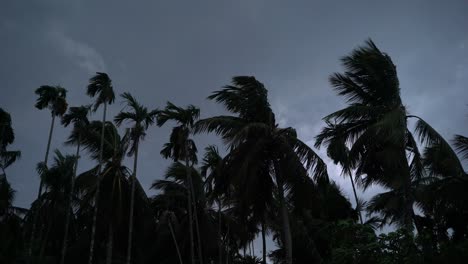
356	198
195	215
189	206
287	239
33	230
69	207
228	245
132	203
264	260
98	183
110	243
220	243
175	241
253	248
46	238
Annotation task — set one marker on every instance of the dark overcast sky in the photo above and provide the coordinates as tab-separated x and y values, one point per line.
183	50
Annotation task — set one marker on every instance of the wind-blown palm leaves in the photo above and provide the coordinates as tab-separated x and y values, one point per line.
100	86
461	144
79	117
261	153
374	126
181	146
141	119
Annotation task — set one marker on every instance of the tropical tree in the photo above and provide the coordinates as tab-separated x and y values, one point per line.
79	117
182	147
375	127
141	119
100	86
461	145
7	136
113	188
262	155
11	219
54	99
52	205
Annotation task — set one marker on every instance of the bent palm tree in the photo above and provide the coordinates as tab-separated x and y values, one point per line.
79	117
180	146
375	126
141	119
100	85
53	98
262	155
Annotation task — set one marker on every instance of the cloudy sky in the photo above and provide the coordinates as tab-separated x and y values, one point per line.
182	50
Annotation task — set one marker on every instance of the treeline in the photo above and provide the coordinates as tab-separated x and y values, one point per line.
209	208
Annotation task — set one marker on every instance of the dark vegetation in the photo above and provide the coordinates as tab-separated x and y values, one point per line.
209	208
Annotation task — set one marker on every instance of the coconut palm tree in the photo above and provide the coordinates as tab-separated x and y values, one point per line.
100	86
79	117
375	126
141	119
262	155
180	146
52	205
54	99
7	136
114	188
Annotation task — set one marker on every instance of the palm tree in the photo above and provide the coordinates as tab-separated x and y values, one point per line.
211	171
53	205
262	156
100	86
142	119
79	117
375	126
113	188
53	98
339	153
7	136
180	146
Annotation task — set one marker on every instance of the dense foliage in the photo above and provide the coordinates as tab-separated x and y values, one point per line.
209	207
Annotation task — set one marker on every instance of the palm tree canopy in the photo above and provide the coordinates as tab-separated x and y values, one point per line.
7	136
139	115
180	144
77	115
101	85
52	97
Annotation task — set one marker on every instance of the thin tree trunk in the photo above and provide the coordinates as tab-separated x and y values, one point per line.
287	239
98	183
253	248
197	227
228	248
356	198
69	208
189	201
110	243
175	241
33	230
264	242
46	238
220	244
132	203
